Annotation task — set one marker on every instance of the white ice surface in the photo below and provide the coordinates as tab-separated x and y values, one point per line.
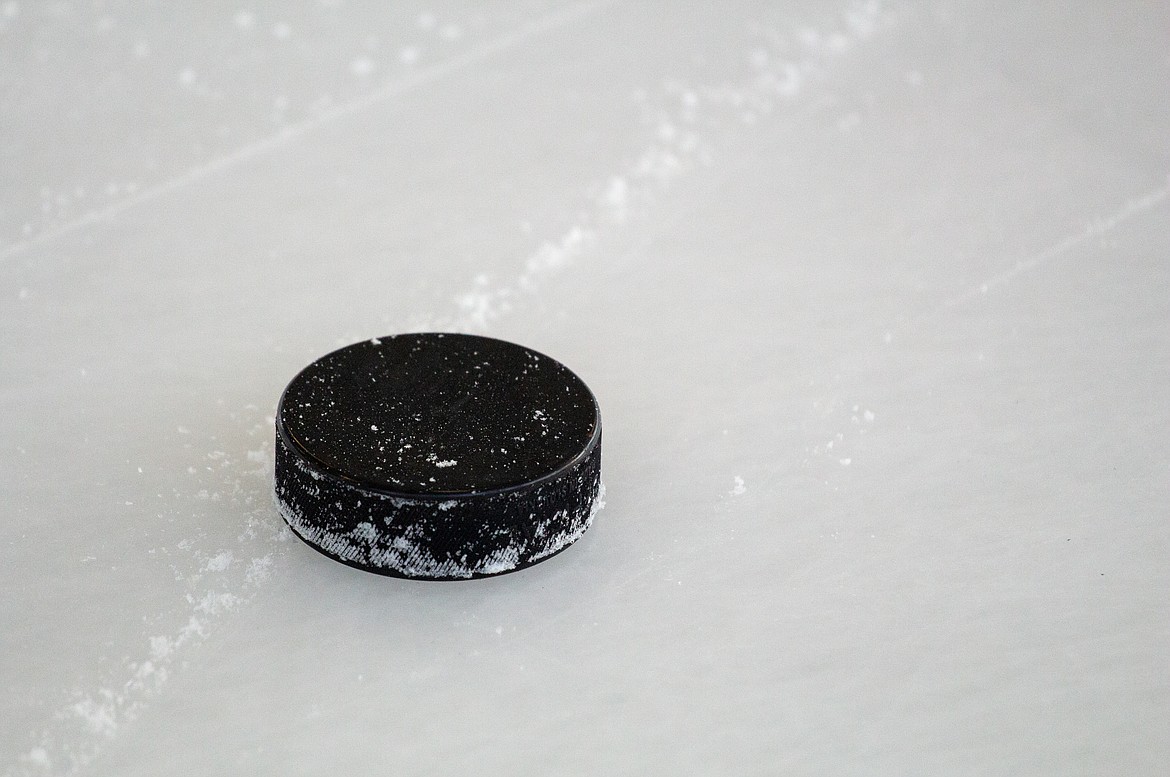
875	299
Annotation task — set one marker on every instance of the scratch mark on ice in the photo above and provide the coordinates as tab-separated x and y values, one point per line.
1095	228
408	83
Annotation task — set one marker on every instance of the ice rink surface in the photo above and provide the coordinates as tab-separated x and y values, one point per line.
875	300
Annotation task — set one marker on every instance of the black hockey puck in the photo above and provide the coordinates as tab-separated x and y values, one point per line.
438	456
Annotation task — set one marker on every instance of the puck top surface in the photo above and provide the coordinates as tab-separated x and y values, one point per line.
438	414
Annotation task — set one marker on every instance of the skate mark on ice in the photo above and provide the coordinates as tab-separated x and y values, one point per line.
683	124
1097	227
403	85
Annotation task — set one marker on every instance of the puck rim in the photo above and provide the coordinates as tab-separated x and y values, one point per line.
321	468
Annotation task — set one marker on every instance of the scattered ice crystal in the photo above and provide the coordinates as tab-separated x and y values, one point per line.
38	757
160	647
739	486
362	66
408	55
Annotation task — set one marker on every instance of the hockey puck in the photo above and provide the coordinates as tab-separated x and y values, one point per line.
438	456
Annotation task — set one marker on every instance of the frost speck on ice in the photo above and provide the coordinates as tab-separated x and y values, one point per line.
362	66
245	20
219	562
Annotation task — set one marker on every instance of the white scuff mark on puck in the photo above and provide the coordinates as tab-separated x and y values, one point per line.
408	558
